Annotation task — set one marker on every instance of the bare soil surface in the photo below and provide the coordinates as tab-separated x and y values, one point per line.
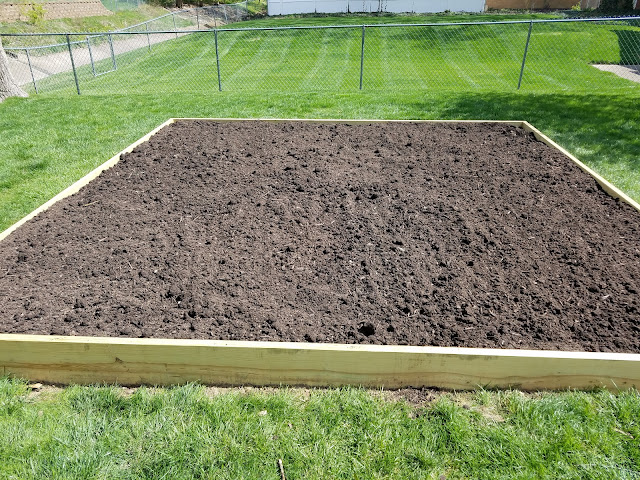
411	234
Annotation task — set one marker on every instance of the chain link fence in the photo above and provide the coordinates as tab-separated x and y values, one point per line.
193	51
121	5
48	62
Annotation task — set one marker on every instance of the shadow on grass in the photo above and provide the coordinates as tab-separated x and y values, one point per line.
629	43
600	129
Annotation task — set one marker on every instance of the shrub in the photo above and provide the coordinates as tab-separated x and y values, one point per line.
35	14
608	6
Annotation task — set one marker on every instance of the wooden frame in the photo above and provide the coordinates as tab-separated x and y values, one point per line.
90	360
75	187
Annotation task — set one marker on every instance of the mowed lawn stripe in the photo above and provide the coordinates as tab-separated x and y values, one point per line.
470	57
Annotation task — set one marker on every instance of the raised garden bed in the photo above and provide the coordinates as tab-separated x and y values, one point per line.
394	233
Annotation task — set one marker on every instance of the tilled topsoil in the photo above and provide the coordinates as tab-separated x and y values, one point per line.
470	235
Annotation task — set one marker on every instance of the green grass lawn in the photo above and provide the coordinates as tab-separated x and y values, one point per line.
120	5
425	58
189	432
389	18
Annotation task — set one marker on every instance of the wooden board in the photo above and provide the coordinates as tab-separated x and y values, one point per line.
75	187
611	189
89	360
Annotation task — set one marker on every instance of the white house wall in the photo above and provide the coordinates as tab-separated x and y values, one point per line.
287	7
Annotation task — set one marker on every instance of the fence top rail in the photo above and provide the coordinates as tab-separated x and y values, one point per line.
146	22
184	10
53	45
436	24
323	27
149	21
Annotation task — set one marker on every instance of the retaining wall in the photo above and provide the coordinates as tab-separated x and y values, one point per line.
12	12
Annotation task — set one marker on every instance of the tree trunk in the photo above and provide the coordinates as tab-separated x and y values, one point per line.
8	86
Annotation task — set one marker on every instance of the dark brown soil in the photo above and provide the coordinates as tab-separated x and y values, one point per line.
450	234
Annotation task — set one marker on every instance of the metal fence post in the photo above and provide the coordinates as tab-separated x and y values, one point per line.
146	27
35	86
175	29
362	57
113	54
215	35
198	18
524	57
73	64
93	65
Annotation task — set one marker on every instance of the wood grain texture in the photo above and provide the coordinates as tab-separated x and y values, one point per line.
88	360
